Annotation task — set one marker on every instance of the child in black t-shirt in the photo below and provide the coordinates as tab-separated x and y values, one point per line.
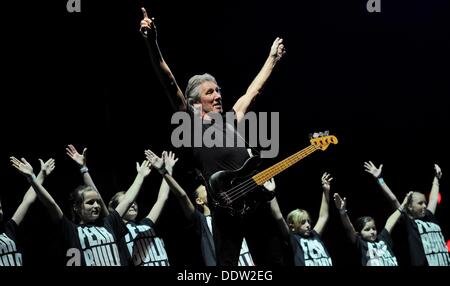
10	248
142	246
305	240
426	243
375	248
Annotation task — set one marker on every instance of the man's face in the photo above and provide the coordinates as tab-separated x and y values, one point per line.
210	97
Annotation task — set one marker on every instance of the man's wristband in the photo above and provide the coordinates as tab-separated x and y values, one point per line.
380	181
84	169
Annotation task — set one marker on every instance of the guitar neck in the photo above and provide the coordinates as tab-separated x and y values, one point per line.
271	172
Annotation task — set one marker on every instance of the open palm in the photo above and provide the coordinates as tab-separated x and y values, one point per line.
22	165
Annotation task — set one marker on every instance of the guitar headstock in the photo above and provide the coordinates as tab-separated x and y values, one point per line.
322	140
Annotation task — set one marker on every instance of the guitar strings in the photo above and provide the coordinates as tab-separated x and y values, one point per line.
236	190
246	186
243	190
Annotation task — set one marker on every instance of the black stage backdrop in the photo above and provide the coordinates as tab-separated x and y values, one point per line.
378	81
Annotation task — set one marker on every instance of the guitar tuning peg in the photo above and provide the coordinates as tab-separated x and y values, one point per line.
326	133
320	134
310	135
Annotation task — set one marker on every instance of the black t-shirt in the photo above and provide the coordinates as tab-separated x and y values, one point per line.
211	159
377	253
94	244
309	251
206	239
10	251
426	242
203	226
143	246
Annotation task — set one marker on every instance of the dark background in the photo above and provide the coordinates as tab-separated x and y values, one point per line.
377	81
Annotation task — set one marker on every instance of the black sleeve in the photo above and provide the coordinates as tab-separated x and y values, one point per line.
315	234
196	219
12	229
386	237
68	230
115	223
358	242
293	242
404	218
147	221
429	216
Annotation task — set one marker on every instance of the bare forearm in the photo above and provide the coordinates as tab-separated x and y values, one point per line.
176	189
88	181
434	194
348	226
278	216
164	191
393	219
130	195
434	190
243	103
387	192
324	207
323	213
186	204
40	178
30	196
157	208
28	199
262	77
165	76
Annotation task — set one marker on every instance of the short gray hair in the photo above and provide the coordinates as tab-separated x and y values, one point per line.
192	89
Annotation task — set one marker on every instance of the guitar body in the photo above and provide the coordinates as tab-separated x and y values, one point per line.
236	191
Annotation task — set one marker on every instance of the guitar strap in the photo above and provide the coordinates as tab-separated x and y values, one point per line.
233	129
